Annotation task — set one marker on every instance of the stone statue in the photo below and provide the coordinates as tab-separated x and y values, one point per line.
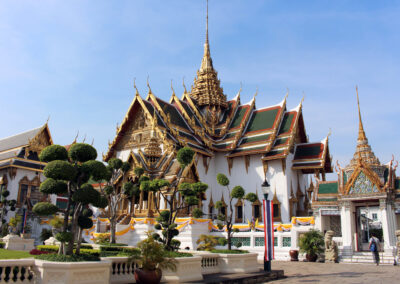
331	251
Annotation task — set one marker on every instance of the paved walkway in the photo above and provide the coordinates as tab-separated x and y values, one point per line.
338	273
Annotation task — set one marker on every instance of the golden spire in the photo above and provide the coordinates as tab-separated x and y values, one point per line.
361	132
206	62
206	90
363	151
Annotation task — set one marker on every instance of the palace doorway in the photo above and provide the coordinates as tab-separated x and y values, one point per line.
368	223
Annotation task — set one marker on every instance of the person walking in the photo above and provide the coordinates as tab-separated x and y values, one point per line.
374	248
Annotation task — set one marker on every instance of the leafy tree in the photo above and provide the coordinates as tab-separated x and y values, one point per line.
227	219
67	173
208	242
116	170
190	193
6	206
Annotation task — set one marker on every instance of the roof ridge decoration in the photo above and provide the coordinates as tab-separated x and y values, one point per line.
363	149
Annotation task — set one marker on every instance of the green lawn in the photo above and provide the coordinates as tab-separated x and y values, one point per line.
13	254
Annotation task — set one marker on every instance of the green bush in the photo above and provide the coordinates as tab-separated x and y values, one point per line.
81	152
222	179
52	153
177	254
68	258
45	234
64	237
59	170
44	208
185	156
2	244
232	251
311	243
48	248
52	186
93	252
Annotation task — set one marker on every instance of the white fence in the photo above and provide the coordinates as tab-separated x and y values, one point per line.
18	271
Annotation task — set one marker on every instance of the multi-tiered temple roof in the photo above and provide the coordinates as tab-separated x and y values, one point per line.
206	121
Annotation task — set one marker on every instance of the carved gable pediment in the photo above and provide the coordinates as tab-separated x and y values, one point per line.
39	142
137	133
363	181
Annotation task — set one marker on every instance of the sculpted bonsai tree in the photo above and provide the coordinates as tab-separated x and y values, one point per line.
117	170
226	215
6	206
189	192
67	174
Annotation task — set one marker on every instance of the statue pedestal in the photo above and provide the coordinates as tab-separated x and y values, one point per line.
15	242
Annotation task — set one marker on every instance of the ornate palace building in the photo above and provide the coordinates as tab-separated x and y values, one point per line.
248	143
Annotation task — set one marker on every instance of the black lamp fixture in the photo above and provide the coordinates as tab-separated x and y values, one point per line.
266	187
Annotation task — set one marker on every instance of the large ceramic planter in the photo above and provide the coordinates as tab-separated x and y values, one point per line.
147	277
294	255
311	258
187	269
93	272
238	263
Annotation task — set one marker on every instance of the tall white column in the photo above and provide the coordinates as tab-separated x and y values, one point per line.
388	227
346	220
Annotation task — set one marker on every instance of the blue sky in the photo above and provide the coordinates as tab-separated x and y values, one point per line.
76	60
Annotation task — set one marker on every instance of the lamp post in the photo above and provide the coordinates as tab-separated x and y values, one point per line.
268	222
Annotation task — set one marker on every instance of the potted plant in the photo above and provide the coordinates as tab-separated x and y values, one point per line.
311	243
294	255
151	260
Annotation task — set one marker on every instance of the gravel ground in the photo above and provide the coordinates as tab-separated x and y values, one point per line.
338	273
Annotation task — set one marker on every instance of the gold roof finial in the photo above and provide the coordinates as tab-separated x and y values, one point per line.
206	63
148	84
134	85
48	118
184	86
361	132
172	88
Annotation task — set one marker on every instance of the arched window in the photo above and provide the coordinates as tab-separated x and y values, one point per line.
257	209
277	208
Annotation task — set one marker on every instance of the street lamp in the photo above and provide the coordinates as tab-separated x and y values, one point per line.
268	222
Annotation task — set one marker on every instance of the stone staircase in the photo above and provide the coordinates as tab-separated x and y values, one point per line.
367	257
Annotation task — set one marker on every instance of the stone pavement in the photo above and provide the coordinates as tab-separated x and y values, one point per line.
338	273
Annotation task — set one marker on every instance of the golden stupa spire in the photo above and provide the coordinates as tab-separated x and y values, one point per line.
206	89
363	150
361	132
206	62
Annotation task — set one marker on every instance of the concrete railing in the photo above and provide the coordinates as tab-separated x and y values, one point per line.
17	271
122	270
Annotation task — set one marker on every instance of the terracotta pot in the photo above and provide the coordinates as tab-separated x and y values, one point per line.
148	276
294	255
312	257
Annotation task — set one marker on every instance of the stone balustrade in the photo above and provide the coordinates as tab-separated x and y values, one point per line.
122	270
18	271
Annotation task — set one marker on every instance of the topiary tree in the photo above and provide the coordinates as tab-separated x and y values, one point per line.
227	219
67	174
6	206
116	170
190	193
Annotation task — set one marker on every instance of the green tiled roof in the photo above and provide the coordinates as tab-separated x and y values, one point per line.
190	112
280	141
286	122
262	120
240	150
308	151
239	116
274	153
176	117
255	139
325	188
230	135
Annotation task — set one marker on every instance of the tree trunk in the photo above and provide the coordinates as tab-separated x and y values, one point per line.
229	230
79	241
112	230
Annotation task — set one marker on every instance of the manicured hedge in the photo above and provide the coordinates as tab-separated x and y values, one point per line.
48	248
233	251
178	254
2	244
68	258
